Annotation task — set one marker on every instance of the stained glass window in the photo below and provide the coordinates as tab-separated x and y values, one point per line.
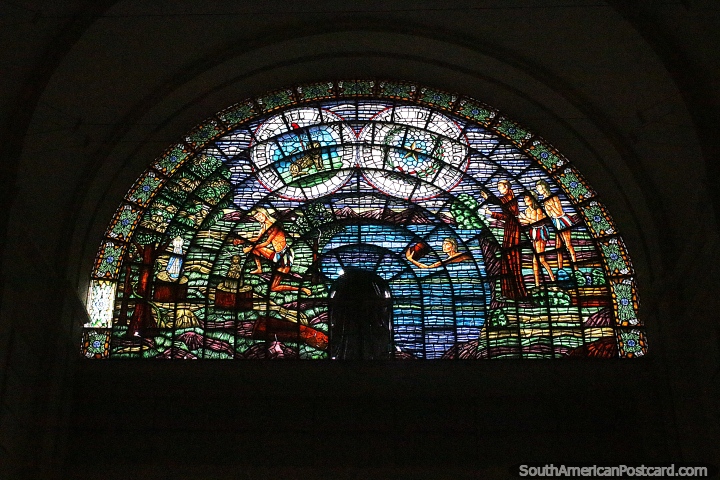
362	219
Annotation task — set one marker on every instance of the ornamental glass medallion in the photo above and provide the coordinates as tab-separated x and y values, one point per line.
413	151
362	220
304	151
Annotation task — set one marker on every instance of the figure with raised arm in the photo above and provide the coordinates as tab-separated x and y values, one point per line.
449	247
271	244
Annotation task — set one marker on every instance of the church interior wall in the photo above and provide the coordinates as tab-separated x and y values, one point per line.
132	78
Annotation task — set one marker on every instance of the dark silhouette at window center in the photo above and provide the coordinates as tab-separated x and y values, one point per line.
360	317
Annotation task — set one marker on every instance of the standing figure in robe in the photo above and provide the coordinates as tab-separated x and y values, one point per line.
174	265
512	284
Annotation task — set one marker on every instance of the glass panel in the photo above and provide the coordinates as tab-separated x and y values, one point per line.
492	245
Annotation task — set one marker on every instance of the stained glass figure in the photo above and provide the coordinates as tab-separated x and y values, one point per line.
175	264
362	220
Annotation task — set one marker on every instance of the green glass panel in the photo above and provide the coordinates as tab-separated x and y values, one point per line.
204	165
625	303
159	215
316	91
398	90
615	257
512	131
213	191
206	132
96	343
276	100
172	160
237	114
124	222
547	157
145	188
598	221
476	111
108	261
355	88
437	98
632	343
574	185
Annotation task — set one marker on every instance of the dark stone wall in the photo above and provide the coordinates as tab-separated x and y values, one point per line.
445	418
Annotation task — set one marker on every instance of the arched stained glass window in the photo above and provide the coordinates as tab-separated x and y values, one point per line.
362	219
